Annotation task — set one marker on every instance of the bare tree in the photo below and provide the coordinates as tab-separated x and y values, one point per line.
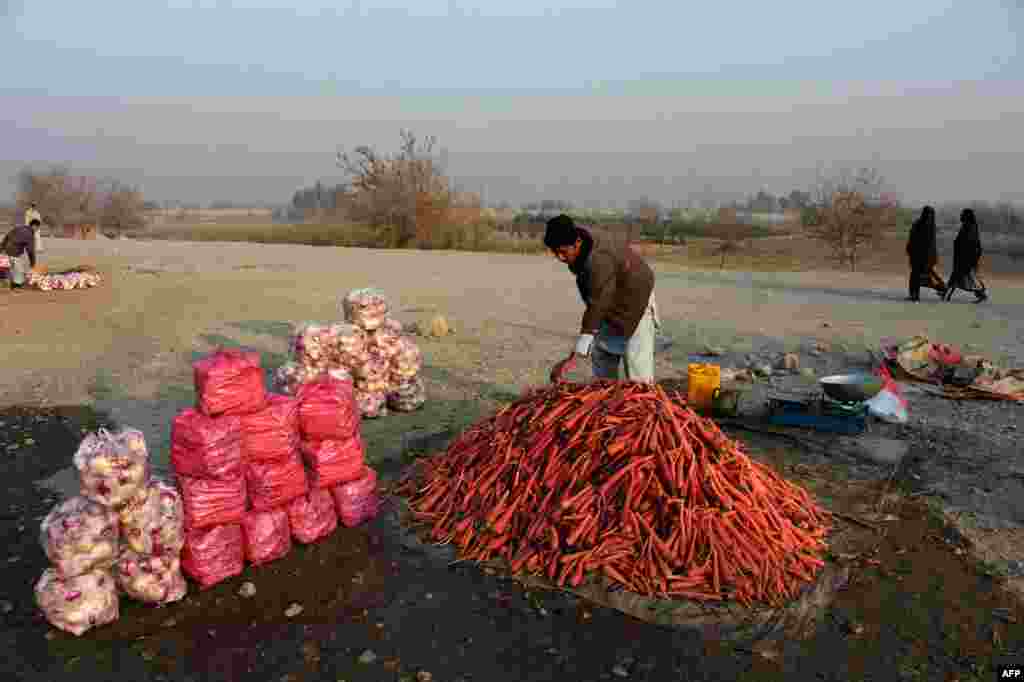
386	191
123	207
851	212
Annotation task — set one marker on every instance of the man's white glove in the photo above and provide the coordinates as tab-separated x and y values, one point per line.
583	345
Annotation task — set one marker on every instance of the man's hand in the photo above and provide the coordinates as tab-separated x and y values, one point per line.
558	371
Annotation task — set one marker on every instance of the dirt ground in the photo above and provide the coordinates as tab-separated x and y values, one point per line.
123	350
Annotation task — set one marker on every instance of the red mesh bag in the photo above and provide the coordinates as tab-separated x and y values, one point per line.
357	501
209	502
212	555
332	462
327	409
229	381
206	447
273	432
312	516
267	535
274	484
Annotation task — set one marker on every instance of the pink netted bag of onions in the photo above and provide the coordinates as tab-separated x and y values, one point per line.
80	603
365	308
327	409
268	536
358	500
154	522
273	432
407	361
273	484
290	377
212	555
408	395
210	502
372	405
206	447
230	381
331	462
150	579
79	536
312	517
113	466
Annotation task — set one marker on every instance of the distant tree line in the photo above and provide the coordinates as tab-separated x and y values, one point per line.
63	198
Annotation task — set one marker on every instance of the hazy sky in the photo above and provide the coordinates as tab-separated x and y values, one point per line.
595	101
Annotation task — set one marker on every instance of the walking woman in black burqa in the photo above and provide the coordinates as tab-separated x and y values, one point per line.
966	256
924	256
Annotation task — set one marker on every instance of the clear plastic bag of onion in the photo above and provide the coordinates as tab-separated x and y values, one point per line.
365	308
113	466
408	396
407	360
153	579
79	603
79	536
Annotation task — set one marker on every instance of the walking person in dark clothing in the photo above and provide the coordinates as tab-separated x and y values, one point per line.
20	247
966	256
924	256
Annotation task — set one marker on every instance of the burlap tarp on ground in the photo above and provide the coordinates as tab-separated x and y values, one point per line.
727	621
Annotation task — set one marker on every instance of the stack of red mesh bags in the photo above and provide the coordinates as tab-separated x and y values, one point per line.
235	489
333	448
122	532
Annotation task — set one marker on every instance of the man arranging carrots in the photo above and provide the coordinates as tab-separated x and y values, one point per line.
617	287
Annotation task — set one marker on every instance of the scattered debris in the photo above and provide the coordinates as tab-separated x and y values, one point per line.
293	610
247	590
367	657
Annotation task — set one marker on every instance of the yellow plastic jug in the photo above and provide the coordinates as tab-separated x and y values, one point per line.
703	380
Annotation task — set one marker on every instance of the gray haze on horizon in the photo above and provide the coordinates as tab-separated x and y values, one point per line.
932	144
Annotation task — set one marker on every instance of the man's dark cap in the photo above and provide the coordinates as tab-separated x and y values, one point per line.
561	231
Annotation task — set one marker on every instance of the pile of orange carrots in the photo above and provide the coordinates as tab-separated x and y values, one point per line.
625	481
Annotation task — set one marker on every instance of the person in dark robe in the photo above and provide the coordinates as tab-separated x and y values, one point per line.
966	257
924	256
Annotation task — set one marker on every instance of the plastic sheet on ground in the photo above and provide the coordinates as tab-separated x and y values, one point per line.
357	501
267	534
312	517
273	432
274	484
210	502
113	466
212	555
327	410
332	462
150	579
79	536
229	381
206	447
79	603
